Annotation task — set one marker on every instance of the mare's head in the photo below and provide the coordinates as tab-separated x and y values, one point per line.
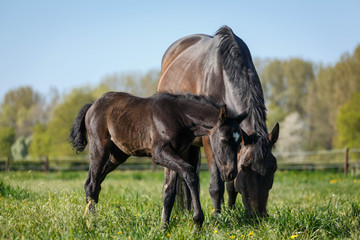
256	168
225	140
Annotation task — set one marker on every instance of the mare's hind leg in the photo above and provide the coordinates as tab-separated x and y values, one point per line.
116	158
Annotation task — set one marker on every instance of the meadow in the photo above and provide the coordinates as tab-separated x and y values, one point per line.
302	205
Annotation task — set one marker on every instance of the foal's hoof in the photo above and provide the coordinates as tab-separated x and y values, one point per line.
199	219
164	225
90	207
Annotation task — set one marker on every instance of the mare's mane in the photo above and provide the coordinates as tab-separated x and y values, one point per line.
237	62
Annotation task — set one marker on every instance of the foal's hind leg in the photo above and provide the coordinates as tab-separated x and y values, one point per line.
116	158
99	154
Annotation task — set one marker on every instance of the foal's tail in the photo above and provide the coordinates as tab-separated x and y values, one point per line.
77	135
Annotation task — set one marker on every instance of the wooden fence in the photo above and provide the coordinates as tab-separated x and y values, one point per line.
343	159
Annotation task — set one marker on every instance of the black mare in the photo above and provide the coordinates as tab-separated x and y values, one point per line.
221	66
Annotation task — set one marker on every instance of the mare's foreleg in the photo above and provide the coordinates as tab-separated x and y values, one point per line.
165	156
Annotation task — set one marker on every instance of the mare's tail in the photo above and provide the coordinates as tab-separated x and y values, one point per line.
77	135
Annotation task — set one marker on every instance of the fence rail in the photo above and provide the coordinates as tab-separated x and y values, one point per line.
346	159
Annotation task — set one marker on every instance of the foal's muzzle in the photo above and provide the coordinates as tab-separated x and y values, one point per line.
229	176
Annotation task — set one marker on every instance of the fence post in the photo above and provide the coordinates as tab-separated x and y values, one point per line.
46	164
346	163
7	164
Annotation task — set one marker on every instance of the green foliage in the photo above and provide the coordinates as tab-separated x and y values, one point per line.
286	84
21	109
333	87
19	149
63	117
7	138
41	141
302	205
52	139
135	83
348	124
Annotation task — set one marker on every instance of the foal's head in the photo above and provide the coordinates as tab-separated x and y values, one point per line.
225	139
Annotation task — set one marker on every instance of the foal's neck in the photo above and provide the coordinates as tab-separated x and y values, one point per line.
200	117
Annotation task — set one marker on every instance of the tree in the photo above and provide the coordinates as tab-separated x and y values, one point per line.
333	87
21	109
142	85
286	85
51	139
7	138
348	124
41	141
63	117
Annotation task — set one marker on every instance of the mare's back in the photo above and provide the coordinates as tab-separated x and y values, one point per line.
187	60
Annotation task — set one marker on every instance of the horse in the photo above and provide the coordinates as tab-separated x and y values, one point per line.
221	66
163	126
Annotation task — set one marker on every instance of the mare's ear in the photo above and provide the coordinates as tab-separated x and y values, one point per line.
245	139
242	116
274	135
223	113
245	167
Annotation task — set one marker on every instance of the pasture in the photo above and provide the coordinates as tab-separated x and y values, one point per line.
302	205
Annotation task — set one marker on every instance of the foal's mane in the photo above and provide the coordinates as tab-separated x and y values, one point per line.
237	62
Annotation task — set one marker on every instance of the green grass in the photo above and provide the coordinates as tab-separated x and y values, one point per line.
302	205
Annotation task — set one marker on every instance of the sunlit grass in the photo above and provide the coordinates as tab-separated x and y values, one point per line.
302	205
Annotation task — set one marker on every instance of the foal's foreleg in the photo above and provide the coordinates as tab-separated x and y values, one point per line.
170	181
165	156
216	185
232	193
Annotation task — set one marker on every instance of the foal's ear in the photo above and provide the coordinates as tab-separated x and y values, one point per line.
223	113
274	135
242	116
245	139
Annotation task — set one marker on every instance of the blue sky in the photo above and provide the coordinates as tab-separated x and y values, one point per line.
66	44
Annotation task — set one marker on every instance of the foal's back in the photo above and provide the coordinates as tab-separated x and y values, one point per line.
124	119
132	123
